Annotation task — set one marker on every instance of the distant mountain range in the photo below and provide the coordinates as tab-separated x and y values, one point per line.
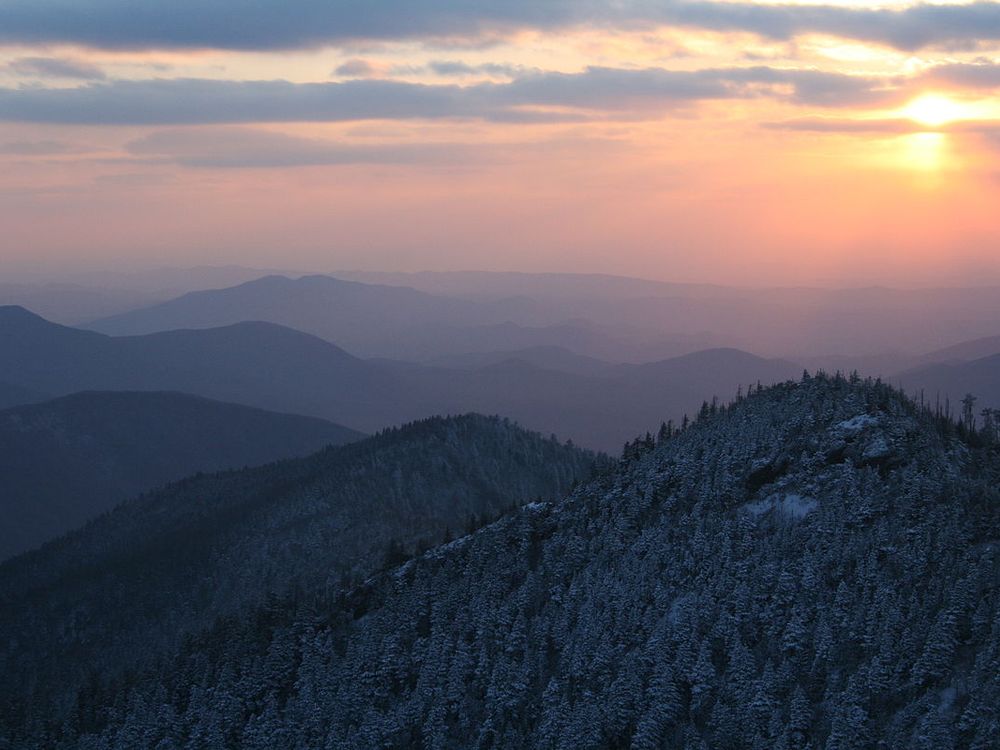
954	378
427	316
557	358
126	590
965	351
75	298
74	303
396	322
66	461
277	368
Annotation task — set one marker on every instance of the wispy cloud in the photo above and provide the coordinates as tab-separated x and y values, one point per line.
887	126
39	148
459	69
55	67
537	97
966	75
247	148
356	68
896	126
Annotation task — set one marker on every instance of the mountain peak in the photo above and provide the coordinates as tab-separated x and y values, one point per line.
17	313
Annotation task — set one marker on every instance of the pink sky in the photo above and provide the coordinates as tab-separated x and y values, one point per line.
827	147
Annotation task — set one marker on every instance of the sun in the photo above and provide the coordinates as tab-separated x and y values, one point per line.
933	110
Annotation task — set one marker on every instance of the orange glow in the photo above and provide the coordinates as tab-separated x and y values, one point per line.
846	147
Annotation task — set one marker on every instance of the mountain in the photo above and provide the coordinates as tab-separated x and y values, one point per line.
954	379
505	284
73	303
856	324
709	371
66	461
361	317
556	358
605	411
277	368
398	322
127	589
168	282
16	395
258	364
815	566
965	351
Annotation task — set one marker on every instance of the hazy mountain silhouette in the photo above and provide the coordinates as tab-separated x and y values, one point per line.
858	325
364	318
952	380
260	364
504	284
273	367
127	588
544	357
375	320
168	282
74	303
965	351
65	461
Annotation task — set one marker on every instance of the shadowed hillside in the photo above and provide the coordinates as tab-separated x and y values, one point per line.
126	589
66	461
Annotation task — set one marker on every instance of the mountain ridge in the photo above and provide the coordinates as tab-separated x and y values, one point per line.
127	588
67	460
813	566
277	368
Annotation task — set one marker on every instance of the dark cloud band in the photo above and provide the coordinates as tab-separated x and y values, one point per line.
283	24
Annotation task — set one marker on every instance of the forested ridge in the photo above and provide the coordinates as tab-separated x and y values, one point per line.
67	460
125	590
814	566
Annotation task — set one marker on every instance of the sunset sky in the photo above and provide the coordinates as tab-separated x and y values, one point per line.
731	142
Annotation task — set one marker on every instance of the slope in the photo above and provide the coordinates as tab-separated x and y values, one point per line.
965	351
954	380
131	585
17	395
817	566
258	364
361	317
272	367
66	461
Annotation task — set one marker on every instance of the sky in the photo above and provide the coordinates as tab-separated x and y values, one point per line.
753	143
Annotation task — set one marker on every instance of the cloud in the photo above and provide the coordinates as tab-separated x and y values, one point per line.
966	75
910	28
55	67
356	68
537	97
196	101
38	148
247	148
281	24
989	129
847	125
459	69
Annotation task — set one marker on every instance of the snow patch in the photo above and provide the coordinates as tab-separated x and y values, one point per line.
858	423
877	448
947	699
791	504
